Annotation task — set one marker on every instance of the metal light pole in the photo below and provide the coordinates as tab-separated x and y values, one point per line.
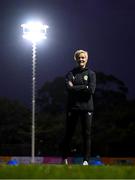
34	31
33	99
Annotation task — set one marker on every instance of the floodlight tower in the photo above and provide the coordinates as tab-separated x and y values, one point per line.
35	32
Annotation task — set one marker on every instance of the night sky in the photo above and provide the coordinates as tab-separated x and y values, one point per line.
105	28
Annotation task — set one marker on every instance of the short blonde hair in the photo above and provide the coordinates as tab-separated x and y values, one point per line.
78	52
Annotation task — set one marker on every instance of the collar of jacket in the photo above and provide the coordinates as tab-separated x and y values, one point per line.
82	69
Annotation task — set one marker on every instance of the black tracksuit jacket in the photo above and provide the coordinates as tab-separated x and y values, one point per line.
80	96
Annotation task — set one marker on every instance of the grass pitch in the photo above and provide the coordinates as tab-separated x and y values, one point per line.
34	171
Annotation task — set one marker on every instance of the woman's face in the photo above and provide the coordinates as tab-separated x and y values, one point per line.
82	60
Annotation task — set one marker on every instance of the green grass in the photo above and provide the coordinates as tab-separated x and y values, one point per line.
66	172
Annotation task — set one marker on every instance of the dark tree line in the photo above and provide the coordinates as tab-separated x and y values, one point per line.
113	128
14	127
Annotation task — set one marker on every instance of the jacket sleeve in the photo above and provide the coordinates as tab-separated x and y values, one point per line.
92	82
70	77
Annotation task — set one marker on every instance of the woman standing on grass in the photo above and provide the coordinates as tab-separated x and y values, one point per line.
80	85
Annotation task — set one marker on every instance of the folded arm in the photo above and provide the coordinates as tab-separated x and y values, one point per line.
89	88
70	85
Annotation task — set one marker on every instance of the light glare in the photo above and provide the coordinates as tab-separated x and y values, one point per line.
34	31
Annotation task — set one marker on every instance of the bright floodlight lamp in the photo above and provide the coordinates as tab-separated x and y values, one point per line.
35	32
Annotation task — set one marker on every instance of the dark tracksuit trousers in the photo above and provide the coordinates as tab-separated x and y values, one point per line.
72	120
